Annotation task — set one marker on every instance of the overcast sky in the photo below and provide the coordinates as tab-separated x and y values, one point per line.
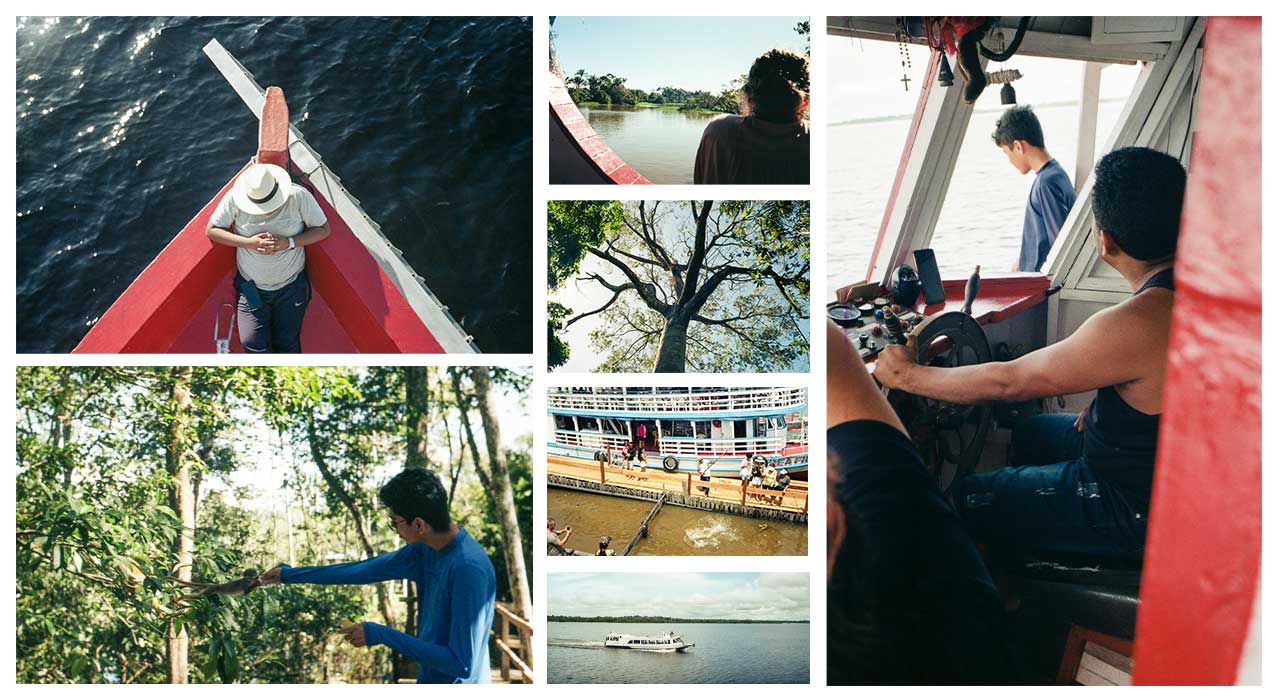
751	596
694	53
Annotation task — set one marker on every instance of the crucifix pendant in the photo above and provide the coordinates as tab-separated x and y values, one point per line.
905	80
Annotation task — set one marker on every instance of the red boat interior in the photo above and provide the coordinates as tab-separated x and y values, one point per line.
1188	613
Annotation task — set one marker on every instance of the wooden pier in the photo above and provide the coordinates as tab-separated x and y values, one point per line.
720	495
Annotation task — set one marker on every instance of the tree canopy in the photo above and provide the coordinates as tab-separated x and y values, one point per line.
132	478
691	286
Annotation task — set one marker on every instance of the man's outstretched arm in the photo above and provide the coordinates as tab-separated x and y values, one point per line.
399	564
471	598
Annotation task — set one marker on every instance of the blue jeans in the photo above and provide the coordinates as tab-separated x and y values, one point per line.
273	321
1054	508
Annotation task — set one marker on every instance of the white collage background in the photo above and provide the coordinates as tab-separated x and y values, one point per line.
814	380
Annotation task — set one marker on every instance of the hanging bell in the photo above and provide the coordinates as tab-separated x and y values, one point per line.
945	78
1007	95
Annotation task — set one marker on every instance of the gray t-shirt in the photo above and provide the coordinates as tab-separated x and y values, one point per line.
269	272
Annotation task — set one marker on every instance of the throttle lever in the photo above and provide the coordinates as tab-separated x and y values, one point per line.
971	291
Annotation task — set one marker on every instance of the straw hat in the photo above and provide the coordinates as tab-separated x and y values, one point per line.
261	189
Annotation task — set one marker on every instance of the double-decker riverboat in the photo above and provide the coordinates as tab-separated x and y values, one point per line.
677	426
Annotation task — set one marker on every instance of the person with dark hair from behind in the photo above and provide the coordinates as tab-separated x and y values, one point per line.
1019	135
455	583
1085	491
909	600
769	143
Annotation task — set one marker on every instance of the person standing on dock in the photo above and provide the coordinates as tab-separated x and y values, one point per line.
769	143
704	472
269	220
1019	135
455	582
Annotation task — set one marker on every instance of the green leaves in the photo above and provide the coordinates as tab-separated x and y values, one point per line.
572	228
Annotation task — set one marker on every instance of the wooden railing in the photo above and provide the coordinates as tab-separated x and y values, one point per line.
658	400
514	651
795	498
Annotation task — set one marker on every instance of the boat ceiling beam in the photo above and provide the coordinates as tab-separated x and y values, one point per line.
1034	43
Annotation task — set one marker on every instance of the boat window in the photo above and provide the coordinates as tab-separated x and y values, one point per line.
870	113
564	423
702	429
585	423
677	428
987	197
870	117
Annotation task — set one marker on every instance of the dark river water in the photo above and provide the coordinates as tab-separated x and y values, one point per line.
660	144
746	653
675	531
125	130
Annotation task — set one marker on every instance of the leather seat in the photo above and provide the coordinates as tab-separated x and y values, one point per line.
1101	596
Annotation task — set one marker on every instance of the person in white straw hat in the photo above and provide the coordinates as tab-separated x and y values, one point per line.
269	220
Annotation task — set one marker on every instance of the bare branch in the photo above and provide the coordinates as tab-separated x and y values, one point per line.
607	304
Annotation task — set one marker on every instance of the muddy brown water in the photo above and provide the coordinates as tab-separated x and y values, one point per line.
675	531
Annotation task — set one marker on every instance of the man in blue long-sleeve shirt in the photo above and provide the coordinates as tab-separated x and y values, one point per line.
1019	135
455	581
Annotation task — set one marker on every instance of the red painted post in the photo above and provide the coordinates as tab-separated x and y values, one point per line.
273	130
1204	545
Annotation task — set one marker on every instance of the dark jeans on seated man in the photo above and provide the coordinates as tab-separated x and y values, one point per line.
273	321
909	599
1057	506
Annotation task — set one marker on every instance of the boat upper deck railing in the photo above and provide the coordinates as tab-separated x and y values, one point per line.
675	400
677	446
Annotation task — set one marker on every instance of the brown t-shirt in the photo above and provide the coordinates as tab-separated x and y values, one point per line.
749	151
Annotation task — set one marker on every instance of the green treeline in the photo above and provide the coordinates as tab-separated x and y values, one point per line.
649	619
610	89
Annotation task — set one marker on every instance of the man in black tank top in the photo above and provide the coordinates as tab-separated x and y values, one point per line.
1080	485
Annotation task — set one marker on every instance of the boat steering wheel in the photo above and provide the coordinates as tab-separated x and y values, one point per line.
950	436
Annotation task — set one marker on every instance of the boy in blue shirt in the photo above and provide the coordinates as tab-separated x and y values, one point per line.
455	583
1019	135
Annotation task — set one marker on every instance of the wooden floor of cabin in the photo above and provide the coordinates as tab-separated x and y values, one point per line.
656	481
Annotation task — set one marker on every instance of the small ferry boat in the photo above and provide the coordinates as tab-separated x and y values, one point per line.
668	642
365	296
1196	97
682	425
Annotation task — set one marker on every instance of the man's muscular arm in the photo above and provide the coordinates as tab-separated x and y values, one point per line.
1114	346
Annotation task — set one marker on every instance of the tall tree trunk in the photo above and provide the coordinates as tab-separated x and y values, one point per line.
417	416
675	344
505	501
464	410
182	500
60	432
349	501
